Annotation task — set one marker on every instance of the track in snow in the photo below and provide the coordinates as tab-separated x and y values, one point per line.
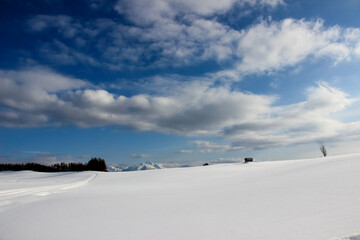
19	195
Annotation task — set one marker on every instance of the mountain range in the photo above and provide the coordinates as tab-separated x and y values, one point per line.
140	167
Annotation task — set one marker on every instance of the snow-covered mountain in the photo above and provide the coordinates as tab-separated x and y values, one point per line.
144	166
114	169
150	165
140	167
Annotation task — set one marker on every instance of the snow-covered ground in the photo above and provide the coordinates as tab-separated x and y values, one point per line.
314	199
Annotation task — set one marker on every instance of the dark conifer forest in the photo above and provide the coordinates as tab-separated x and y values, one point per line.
95	164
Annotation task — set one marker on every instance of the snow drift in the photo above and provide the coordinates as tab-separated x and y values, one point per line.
314	199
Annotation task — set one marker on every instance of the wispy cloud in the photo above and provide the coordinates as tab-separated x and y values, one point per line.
65	25
169	32
185	151
42	158
180	33
59	53
209	147
142	155
162	10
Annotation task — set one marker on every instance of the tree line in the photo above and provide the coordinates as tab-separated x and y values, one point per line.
95	164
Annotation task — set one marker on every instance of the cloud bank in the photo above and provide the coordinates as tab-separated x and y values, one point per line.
41	97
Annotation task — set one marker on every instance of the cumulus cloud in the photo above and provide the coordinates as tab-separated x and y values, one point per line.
30	97
40	97
273	45
308	121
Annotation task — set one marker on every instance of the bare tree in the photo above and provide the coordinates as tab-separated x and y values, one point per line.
323	150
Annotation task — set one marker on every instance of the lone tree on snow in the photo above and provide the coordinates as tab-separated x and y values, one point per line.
323	150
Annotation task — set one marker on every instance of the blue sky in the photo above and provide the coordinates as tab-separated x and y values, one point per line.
178	80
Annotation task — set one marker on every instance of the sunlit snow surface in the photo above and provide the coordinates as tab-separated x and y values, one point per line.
315	199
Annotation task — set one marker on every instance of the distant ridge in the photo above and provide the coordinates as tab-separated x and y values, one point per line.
150	165
140	167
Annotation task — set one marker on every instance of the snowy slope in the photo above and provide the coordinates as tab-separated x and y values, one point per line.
27	186
315	199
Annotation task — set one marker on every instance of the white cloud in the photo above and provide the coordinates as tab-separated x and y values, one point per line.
60	53
273	45
169	32
38	97
143	12
135	155
266	46
177	33
40	78
185	151
180	32
171	43
308	121
352	36
326	99
227	160
42	158
209	147
357	50
31	95
65	25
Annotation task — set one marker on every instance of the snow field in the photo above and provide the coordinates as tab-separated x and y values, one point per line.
26	186
314	199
